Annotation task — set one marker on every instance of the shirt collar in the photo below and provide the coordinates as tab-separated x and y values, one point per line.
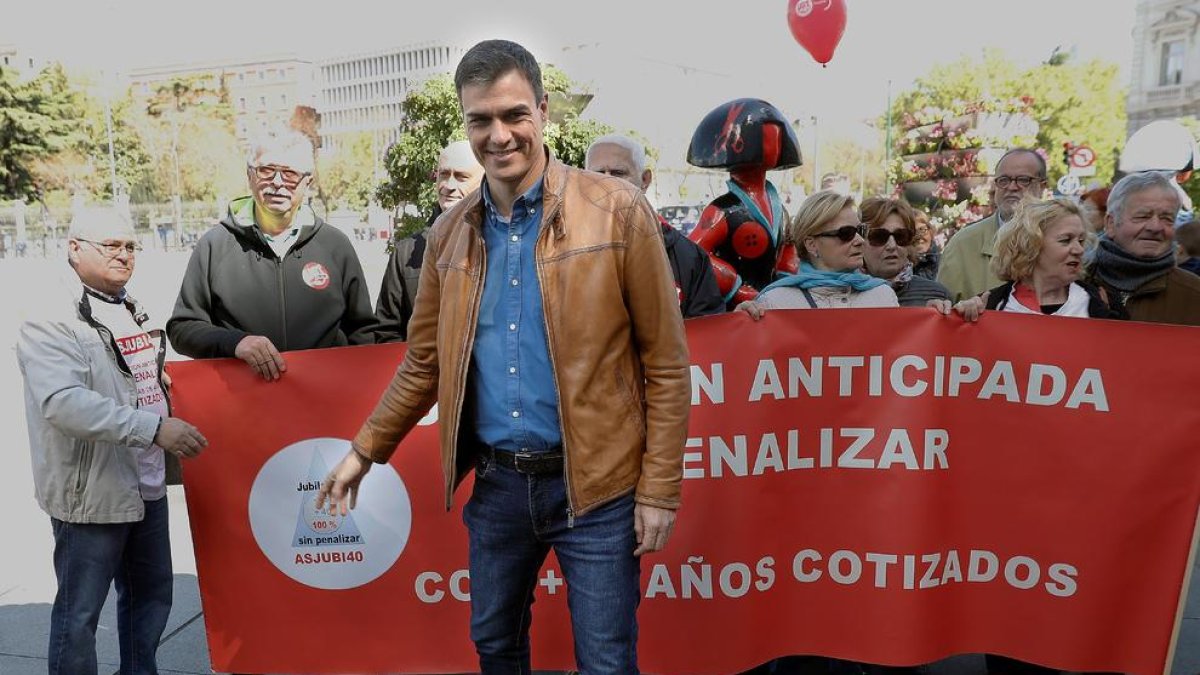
532	196
105	297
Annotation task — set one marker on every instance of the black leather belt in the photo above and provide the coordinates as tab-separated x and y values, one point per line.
530	463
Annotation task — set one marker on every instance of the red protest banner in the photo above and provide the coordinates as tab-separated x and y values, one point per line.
888	486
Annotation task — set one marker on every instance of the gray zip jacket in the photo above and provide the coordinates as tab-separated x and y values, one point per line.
81	410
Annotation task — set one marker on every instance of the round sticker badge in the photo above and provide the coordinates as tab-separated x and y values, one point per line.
315	275
314	547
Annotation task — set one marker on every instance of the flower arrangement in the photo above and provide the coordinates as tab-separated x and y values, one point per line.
957	108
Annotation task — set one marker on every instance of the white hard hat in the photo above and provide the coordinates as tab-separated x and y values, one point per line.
1164	145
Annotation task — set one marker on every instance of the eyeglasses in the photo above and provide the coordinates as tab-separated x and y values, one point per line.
878	236
113	249
1021	181
846	233
290	177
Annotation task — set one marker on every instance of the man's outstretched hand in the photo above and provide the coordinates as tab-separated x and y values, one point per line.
340	487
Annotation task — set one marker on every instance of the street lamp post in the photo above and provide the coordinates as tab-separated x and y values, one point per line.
112	154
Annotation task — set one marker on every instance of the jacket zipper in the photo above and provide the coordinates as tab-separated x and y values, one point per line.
461	375
282	303
549	222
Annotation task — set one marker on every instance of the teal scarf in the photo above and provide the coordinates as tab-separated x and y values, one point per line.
775	223
811	277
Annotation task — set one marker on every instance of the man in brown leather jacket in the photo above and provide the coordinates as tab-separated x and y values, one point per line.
548	332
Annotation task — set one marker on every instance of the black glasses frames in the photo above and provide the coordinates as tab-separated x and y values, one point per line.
846	233
879	237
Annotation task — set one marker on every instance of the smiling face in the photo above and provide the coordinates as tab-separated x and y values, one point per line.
1146	226
888	260
1061	258
831	254
504	126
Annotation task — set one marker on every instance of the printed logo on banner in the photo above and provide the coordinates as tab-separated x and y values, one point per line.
315	275
313	547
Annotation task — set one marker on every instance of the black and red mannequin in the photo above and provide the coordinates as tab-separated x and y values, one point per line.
743	229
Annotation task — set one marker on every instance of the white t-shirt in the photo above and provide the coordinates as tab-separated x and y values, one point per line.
141	355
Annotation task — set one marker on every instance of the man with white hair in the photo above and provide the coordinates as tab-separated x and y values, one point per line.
273	276
99	422
1135	259
622	157
458	175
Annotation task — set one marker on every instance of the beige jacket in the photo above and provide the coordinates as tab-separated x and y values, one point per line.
966	268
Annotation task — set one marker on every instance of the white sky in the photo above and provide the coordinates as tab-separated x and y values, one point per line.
655	65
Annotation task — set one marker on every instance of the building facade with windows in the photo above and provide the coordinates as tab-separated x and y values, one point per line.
21	61
1165	71
363	92
263	92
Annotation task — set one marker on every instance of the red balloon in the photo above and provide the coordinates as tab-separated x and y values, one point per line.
818	26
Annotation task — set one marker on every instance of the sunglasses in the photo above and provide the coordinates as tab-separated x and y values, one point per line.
846	233
879	237
290	177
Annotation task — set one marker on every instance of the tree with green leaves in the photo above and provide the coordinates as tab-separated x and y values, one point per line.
83	165
347	179
38	119
1076	102
432	119
188	133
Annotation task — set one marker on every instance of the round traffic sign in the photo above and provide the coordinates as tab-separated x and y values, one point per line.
1082	157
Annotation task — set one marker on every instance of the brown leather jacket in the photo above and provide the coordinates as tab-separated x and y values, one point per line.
613	328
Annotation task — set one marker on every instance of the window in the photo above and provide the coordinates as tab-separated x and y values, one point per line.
262	102
242	103
1171	67
283	100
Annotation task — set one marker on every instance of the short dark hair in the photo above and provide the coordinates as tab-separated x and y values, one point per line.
1037	155
1188	236
490	60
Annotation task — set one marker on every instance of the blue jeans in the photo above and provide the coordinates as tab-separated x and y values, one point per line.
513	520
88	558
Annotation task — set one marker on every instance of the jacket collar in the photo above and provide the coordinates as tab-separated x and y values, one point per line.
240	221
554	183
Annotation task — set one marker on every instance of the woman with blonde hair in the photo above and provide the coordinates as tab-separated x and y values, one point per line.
1039	256
830	239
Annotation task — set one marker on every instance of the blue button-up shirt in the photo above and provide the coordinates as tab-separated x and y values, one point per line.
515	402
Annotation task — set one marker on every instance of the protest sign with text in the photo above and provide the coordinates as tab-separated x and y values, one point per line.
888	486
